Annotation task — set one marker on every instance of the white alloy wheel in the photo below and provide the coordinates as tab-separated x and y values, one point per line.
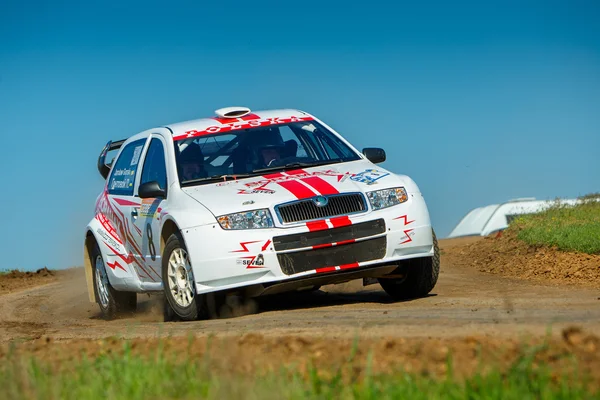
101	282
181	282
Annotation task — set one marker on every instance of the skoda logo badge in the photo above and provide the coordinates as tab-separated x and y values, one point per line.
320	201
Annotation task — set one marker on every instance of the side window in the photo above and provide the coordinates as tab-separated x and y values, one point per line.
154	165
122	176
332	147
333	143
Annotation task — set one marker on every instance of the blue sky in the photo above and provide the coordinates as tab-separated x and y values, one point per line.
479	102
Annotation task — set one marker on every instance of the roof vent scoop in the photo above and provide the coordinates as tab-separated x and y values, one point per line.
232	112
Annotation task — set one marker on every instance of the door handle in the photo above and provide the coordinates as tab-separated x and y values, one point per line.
134	213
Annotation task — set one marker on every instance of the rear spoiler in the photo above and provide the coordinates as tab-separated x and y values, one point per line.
102	167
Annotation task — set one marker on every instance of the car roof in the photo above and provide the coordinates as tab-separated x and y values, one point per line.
181	129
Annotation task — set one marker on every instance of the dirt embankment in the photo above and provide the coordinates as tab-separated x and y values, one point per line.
15	280
575	351
508	256
478	318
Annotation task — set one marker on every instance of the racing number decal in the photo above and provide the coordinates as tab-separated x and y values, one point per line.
151	247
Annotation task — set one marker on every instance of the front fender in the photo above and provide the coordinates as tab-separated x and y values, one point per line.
187	213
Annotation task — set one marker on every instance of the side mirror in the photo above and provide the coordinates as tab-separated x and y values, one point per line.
151	190
374	154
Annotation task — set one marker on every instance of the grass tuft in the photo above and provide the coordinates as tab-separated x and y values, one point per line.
568	228
128	376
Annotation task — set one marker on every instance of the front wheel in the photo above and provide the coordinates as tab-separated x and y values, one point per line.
112	302
181	300
418	276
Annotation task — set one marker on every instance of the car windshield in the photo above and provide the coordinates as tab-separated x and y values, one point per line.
254	151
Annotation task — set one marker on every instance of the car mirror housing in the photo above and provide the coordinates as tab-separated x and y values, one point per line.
374	154
151	190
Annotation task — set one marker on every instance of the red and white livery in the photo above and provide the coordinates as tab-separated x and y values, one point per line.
252	203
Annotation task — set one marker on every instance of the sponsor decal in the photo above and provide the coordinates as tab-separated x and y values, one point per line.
260	190
300	183
122	178
149	208
369	176
116	265
250	261
232	124
136	155
408	233
298	174
107	238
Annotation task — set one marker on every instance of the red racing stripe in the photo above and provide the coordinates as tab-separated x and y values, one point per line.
250	117
349	266
341	243
296	172
338	222
320	185
123	202
224	120
294	187
273	176
325	269
315	226
297	189
322	246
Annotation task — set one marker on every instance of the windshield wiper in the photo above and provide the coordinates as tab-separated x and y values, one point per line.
214	178
296	165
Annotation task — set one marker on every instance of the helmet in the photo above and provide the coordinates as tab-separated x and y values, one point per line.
265	138
191	153
191	162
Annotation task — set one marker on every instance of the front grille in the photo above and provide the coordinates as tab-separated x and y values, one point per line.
306	210
367	250
307	239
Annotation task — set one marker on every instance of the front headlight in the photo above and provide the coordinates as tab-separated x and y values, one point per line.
255	219
387	197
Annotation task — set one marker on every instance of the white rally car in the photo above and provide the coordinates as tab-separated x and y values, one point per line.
252	203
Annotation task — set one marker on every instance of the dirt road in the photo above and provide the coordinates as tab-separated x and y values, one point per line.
464	302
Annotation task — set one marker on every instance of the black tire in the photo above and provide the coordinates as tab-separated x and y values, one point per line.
420	276
173	310
114	303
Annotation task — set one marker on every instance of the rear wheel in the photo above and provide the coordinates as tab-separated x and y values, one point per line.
112	302
181	300
418	276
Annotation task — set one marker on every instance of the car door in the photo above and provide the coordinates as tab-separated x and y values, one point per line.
147	220
124	206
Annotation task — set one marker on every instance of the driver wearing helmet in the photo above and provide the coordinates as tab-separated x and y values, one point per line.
191	162
268	146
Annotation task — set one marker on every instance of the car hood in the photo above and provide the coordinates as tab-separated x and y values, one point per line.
265	191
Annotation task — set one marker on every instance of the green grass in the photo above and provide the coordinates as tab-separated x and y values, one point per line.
131	377
569	228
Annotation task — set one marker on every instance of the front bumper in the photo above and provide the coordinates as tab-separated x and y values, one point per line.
224	260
